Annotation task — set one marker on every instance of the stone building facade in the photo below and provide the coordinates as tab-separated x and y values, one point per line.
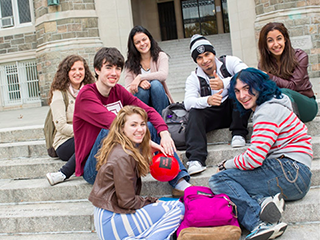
35	36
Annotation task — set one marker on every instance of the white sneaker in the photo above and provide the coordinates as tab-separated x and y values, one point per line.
195	167
238	141
272	208
54	178
279	229
267	231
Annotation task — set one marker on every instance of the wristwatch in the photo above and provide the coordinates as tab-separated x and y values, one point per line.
221	165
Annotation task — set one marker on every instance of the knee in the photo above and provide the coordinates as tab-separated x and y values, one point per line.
156	86
215	182
141	92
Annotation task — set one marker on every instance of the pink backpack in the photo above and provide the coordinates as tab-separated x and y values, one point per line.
205	209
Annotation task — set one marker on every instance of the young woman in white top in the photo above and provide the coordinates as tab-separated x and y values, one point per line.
73	73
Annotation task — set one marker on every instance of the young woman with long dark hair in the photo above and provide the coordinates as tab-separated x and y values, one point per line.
147	70
288	68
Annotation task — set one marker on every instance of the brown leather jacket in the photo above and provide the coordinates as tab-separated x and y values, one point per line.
117	185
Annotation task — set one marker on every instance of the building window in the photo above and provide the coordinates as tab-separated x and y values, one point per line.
203	17
19	83
199	16
14	13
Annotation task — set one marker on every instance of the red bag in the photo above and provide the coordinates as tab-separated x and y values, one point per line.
205	209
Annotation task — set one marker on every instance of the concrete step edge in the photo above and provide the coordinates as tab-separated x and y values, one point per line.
66	235
39	190
42	215
301	231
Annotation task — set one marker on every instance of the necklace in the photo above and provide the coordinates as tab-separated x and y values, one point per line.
144	66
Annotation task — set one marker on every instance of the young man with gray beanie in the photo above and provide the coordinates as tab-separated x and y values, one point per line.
206	98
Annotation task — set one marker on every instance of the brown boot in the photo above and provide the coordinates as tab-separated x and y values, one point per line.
228	232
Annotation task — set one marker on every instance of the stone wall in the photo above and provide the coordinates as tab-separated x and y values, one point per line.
42	8
18	42
301	18
66	29
69	28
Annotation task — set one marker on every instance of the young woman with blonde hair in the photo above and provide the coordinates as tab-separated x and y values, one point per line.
122	160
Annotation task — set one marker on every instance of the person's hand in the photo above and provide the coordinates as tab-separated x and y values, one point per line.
167	143
215	83
215	99
145	84
156	147
134	85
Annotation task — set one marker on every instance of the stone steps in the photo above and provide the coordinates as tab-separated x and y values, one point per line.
35	167
35	133
307	231
74	235
25	168
36	148
180	62
47	217
39	190
32	209
62	216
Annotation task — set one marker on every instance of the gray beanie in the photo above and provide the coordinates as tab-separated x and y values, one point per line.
198	45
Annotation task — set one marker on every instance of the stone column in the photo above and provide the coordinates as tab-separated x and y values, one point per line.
241	19
69	28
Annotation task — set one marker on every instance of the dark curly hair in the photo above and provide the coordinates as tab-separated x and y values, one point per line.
133	55
61	78
257	80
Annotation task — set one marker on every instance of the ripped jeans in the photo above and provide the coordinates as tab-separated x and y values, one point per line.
247	189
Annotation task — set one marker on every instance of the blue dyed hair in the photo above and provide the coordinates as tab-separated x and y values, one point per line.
257	80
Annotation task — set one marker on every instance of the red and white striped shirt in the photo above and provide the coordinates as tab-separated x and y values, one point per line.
277	131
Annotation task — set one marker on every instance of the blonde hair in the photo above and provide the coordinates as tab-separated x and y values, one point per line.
141	153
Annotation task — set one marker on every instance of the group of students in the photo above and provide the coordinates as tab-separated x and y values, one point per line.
116	131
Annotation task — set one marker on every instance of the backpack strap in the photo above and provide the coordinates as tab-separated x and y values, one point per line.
65	98
205	89
223	69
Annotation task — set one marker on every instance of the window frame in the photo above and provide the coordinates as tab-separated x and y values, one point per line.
16	16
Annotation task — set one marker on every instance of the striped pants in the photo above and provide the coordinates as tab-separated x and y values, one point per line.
156	221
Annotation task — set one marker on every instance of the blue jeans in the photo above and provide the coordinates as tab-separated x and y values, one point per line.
155	96
90	172
247	189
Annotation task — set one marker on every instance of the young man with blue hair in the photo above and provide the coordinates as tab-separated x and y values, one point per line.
276	166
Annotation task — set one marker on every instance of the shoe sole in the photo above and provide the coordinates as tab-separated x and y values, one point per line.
238	145
197	171
264	236
278	233
271	212
49	179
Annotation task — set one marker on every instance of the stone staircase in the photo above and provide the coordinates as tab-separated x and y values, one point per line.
32	209
180	62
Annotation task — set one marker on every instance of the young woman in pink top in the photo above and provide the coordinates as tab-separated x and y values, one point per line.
147	70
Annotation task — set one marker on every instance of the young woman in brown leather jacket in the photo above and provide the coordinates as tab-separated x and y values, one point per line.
288	68
120	212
